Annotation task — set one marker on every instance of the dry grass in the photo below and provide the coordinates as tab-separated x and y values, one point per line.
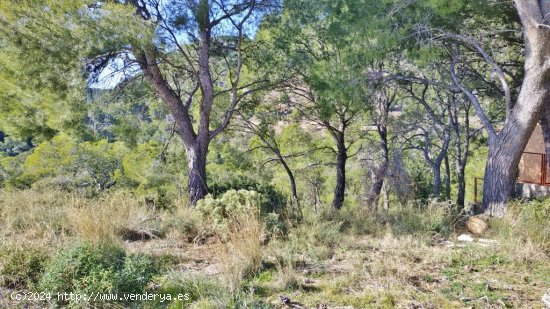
524	232
241	256
55	216
104	221
347	258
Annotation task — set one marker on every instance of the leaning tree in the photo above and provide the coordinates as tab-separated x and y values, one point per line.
506	146
194	55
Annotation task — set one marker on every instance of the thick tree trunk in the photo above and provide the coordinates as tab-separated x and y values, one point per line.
196	174
196	144
340	188
380	173
501	172
506	148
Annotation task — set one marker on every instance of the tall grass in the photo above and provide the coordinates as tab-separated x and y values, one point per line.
241	256
525	230
55	215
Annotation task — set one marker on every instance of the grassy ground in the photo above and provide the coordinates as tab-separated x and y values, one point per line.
407	258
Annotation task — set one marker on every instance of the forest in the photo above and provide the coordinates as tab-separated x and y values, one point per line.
274	154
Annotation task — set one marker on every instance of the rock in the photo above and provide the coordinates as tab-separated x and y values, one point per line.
476	225
487	241
213	269
130	234
465	237
308	281
447	243
284	300
546	299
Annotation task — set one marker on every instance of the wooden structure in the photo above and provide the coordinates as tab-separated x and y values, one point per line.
533	167
534	175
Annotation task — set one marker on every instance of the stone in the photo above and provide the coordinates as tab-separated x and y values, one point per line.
487	241
476	225
546	299
465	237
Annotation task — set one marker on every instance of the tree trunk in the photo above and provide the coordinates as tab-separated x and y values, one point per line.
196	174
436	170
340	188
380	174
461	159
196	144
291	180
447	179
385	197
461	192
506	148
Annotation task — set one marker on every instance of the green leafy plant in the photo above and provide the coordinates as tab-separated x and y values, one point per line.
232	202
20	267
86	269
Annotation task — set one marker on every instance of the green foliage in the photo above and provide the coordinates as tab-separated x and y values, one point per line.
83	268
229	205
526	224
12	170
21	267
270	199
423	218
224	210
200	289
40	66
80	164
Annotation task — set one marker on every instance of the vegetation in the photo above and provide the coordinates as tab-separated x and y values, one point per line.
259	153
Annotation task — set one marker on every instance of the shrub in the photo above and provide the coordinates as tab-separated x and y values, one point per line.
272	200
234	204
21	268
86	269
231	203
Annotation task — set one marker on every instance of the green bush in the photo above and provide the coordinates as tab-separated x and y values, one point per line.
229	204
21	268
272	200
86	269
220	211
